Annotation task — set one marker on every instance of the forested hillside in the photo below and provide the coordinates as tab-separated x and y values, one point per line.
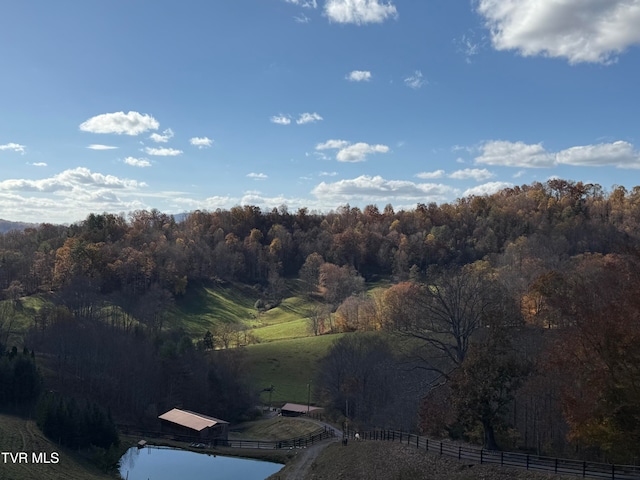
511	319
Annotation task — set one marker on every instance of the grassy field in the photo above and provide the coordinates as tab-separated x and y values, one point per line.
276	428
21	435
203	307
17	317
289	365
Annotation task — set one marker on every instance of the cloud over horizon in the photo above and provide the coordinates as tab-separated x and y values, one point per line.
618	154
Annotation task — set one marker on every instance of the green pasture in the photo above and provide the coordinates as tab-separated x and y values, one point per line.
288	365
17	317
203	307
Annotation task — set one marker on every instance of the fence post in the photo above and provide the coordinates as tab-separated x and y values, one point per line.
584	469
481	452
440	448
527	461
427	446
417	441
555	470
501	459
613	472
459	452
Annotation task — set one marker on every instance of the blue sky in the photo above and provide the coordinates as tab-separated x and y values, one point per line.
124	105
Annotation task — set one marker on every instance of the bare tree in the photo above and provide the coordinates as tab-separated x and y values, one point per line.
317	318
450	309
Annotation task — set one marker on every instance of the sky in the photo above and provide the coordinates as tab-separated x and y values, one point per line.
123	105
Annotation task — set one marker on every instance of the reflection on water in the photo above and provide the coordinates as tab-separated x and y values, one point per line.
159	463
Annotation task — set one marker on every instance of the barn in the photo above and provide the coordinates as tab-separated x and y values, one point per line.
192	424
296	409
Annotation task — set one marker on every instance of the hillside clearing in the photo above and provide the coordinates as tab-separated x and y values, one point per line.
288	365
22	435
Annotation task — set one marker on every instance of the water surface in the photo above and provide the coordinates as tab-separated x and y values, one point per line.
154	463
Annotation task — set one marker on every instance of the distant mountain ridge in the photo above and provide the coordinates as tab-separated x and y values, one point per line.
7	226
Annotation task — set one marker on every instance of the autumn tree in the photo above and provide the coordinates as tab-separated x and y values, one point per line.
484	386
310	271
339	283
599	353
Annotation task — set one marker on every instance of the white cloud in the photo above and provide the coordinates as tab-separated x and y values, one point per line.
39	164
308	118
163	152
95	146
415	81
578	30
359	76
486	189
69	180
132	123
16	147
304	3
257	176
351	153
377	189
137	162
477	174
281	119
80	190
164	138
430	175
468	45
515	154
201	142
359	12
302	18
328	174
358	152
332	144
618	154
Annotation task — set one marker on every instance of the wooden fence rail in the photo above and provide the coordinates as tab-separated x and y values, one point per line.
298	442
578	468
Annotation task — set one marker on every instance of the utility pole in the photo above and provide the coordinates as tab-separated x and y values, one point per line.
308	397
270	392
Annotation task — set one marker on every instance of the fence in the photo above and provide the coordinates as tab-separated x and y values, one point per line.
508	459
298	442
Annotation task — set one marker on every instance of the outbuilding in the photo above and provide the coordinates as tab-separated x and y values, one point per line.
296	409
192	424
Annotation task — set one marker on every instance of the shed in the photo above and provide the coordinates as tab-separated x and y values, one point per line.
296	409
192	424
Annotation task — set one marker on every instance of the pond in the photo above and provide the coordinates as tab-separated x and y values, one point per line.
155	463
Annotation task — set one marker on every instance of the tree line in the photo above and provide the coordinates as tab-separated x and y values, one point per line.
512	318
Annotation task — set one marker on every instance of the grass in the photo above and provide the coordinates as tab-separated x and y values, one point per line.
203	307
288	365
282	331
276	428
21	435
17	317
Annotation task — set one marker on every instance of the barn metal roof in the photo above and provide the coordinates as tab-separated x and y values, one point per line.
298	408
192	420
